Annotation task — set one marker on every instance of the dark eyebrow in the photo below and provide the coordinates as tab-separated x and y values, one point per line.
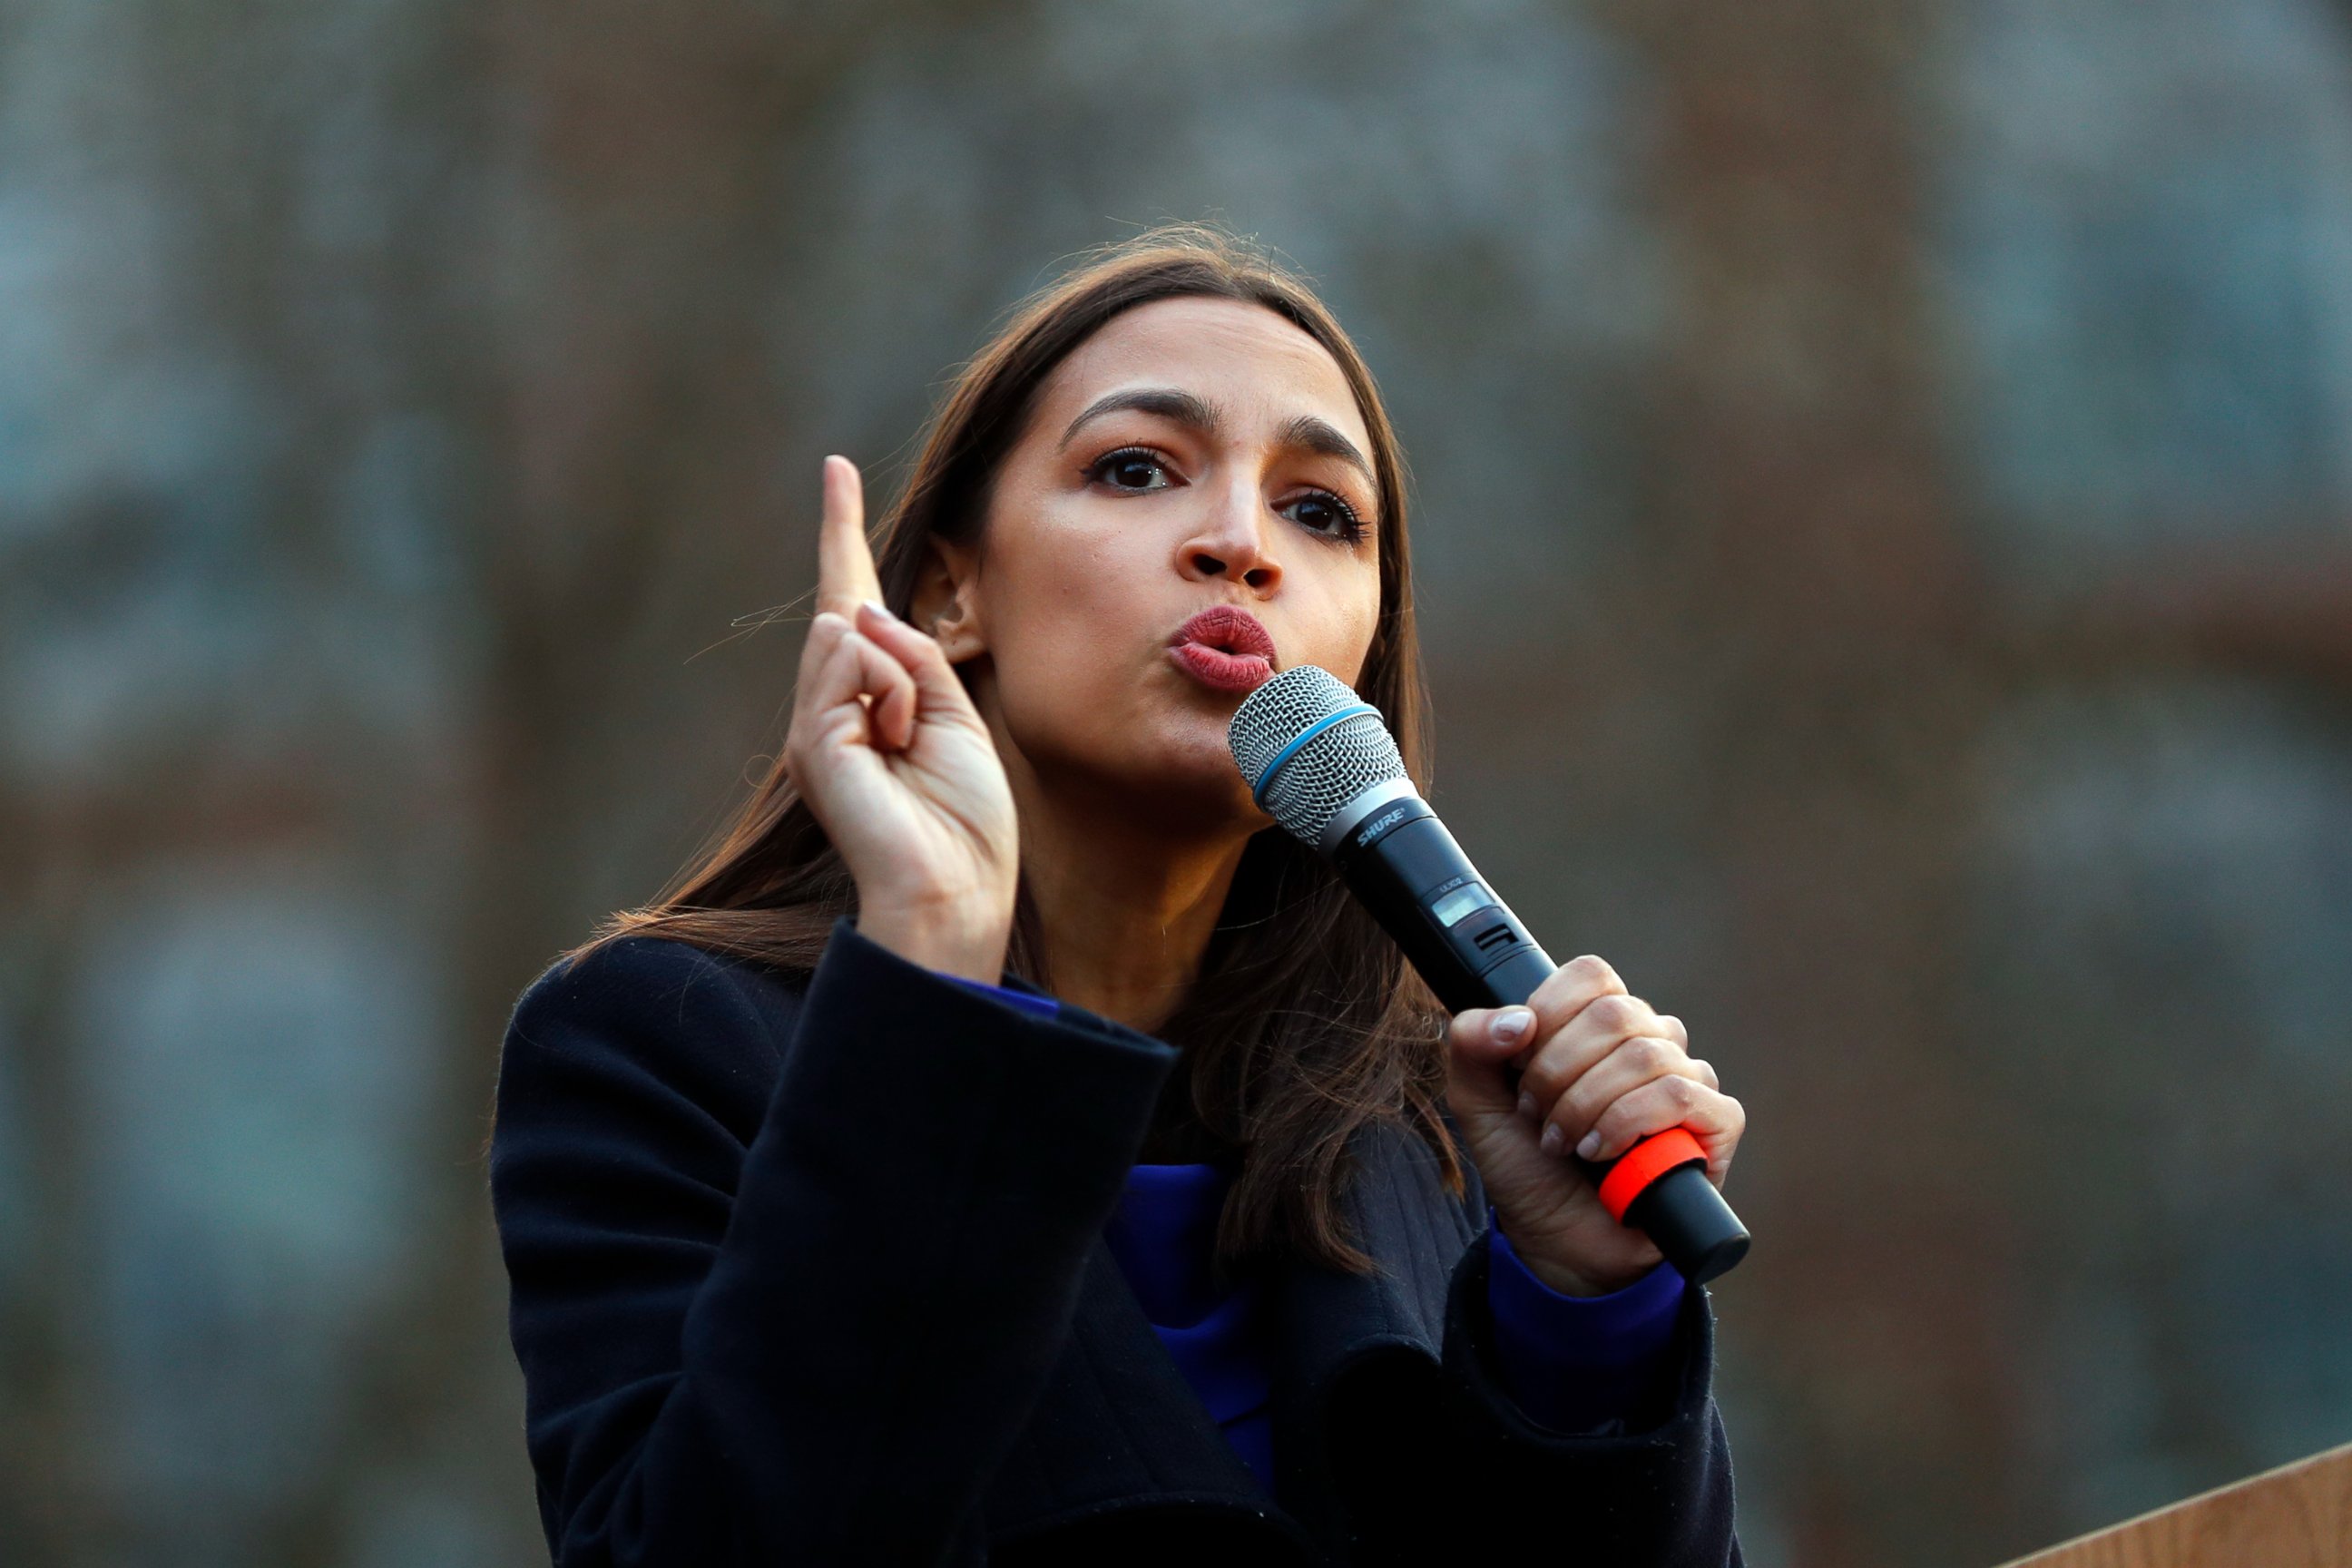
1310	434
1307	433
1167	402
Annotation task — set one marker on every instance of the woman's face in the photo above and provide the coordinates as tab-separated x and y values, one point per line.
1193	453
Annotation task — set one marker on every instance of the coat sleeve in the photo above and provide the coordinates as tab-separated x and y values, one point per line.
808	1327
1658	1494
1579	1363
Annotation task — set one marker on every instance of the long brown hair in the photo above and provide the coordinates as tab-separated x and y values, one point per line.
1305	1022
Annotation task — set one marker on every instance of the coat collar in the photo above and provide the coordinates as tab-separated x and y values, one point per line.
1117	1428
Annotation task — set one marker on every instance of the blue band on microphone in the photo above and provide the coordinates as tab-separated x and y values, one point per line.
1356	711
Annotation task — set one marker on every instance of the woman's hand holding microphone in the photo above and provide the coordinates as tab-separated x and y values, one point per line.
897	766
1601	1071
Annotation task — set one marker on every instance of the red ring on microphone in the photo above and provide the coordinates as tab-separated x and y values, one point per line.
1644	1163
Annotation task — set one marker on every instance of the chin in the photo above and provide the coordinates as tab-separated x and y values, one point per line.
1182	767
1164	753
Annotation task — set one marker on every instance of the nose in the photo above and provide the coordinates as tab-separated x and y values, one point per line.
1232	541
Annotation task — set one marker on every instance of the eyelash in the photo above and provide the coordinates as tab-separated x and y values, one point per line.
1352	527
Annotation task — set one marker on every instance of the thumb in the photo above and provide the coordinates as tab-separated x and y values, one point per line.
1475	1082
1494	1034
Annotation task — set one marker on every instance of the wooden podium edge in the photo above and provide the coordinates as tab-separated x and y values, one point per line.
2317	1487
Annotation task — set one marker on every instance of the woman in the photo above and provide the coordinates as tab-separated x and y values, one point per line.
1007	1146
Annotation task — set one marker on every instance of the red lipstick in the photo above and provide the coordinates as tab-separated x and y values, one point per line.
1224	647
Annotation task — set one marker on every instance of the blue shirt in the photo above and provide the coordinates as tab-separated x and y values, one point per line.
1572	1363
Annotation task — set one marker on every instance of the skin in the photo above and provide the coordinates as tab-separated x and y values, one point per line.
1082	756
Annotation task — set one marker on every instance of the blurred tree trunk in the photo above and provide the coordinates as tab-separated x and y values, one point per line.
605	344
1802	542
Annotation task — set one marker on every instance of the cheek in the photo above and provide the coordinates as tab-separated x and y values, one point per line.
1059	615
1066	638
1341	639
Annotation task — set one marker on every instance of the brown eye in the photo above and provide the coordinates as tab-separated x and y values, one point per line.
1129	468
1320	511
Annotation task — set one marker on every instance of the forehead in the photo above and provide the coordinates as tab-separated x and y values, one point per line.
1255	366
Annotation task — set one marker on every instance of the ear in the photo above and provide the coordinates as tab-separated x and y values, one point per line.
945	599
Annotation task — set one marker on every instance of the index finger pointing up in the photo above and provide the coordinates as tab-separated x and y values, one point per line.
844	562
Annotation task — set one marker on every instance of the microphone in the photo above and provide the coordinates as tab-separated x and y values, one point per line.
1319	760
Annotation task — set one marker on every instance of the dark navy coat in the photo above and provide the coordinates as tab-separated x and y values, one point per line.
809	1269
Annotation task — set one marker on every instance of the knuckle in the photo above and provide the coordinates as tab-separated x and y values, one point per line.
1652	1054
1592	971
816	651
1541	1080
1557	1072
1705	1071
1617	1014
1554	997
928	648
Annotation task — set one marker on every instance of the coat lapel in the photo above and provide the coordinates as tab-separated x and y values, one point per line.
1333	1324
1118	1428
1402	1216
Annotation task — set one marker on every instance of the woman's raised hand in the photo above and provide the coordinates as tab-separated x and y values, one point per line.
897	765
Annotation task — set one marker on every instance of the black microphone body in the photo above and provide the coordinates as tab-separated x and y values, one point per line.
1398	858
1321	761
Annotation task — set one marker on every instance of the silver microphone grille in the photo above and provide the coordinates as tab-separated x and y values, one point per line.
1308	745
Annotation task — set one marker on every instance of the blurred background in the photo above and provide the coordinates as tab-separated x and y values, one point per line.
1884	470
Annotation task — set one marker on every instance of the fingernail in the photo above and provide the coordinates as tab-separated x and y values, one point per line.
879	608
1553	1138
1510	1024
1590	1146
1527	1106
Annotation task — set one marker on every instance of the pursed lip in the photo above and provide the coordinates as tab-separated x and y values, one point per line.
1228	628
1223	648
